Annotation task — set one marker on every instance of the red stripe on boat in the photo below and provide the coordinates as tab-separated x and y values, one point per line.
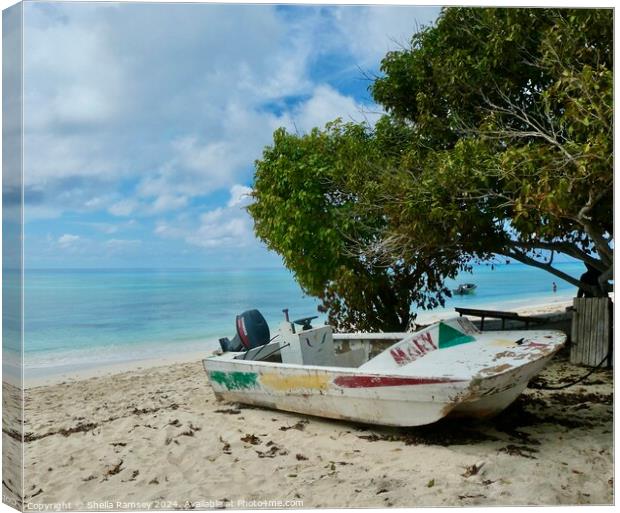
387	381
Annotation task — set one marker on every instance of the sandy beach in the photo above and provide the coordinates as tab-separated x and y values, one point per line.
156	437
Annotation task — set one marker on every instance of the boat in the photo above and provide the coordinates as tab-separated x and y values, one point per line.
448	369
465	288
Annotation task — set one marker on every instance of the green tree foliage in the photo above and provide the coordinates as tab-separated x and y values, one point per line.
511	150
308	196
497	141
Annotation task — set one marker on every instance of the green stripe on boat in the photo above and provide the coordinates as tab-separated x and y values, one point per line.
448	336
235	380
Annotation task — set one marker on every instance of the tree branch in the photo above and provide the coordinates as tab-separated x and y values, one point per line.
562	247
525	259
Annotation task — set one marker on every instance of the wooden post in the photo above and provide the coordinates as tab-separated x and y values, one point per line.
591	338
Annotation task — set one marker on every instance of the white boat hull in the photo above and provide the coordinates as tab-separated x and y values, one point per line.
444	382
334	394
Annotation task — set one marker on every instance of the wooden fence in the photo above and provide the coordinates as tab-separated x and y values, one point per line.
591	331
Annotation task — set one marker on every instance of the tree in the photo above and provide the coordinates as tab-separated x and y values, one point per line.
497	140
307	194
510	113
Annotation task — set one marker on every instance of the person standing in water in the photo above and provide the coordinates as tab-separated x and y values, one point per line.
554	287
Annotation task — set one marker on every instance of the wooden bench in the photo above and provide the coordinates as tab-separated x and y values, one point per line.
494	314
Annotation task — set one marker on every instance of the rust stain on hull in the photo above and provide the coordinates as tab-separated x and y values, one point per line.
497	369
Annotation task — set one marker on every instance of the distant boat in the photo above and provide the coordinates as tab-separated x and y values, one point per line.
398	379
465	288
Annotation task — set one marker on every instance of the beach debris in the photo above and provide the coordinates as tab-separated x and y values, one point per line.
226	446
430	484
80	428
274	450
300	457
175	422
251	439
440	434
569	399
383	490
479	496
472	470
519	450
89	478
114	469
154	481
229	411
300	426
143	411
118	444
134	474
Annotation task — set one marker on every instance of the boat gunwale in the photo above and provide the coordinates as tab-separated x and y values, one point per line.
553	346
372	336
354	371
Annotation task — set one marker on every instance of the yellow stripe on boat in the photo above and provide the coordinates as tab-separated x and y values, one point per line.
303	381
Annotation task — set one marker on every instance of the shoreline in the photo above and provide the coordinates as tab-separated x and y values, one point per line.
107	370
558	305
51	375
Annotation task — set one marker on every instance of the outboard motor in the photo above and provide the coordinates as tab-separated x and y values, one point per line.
252	331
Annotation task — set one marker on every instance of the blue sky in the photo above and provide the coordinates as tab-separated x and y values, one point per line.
142	121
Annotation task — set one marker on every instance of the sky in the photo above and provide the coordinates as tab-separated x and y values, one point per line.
142	122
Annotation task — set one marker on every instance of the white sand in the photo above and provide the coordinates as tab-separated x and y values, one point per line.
157	437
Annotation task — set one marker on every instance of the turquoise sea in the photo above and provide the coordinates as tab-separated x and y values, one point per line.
88	318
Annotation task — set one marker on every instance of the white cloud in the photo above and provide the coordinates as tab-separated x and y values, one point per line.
240	196
325	105
167	202
103	83
122	244
123	208
176	100
222	227
167	230
106	228
369	32
67	240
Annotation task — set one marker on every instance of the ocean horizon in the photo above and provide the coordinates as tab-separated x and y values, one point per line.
88	318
